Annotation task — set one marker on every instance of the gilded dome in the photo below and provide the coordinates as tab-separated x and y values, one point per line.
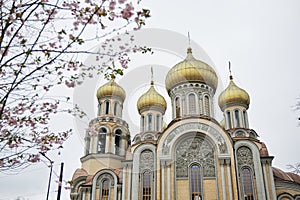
233	94
191	70
111	89
151	98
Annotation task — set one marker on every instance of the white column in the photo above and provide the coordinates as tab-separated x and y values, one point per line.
169	180
124	182
229	178
95	144
129	183
265	178
223	179
272	180
162	181
107	143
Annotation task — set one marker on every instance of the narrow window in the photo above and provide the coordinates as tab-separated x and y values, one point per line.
142	123
247	181
149	122
105	189
115	108
206	106
107	104
237	118
192	104
229	120
147	185
177	107
118	141
157	122
195	182
101	140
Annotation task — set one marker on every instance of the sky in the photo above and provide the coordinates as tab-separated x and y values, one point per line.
260	38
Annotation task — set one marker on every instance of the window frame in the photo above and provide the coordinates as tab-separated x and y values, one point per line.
199	181
206	102
250	183
116	106
107	196
102	135
237	118
147	196
107	107
177	107
192	105
150	121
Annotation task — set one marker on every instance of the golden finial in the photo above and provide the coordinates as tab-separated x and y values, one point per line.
189	50
152	82
230	74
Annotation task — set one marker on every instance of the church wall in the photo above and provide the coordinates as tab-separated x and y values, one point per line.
159	184
94	165
233	179
182	189
111	194
210	189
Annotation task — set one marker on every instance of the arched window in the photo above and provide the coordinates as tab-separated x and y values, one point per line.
149	122
107	105
229	119
177	107
105	189
206	106
118	141
101	140
195	182
237	118
142	123
147	185
192	104
115	108
157	122
247	183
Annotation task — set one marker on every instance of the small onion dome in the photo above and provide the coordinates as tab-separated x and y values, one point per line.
191	70
151	98
233	95
111	89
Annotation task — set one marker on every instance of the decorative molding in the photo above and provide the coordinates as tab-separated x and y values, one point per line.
195	150
244	157
99	176
146	161
223	148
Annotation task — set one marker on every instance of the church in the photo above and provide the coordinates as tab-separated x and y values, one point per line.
194	157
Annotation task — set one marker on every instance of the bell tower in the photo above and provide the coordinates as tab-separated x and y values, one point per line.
107	137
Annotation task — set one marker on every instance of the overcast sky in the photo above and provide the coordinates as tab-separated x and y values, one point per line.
260	38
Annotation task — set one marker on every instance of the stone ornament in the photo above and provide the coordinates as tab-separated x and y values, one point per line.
195	150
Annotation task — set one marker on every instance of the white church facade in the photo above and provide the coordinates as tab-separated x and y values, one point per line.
194	157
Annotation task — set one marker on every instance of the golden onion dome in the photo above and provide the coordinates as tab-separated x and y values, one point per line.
233	95
191	70
151	98
111	88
